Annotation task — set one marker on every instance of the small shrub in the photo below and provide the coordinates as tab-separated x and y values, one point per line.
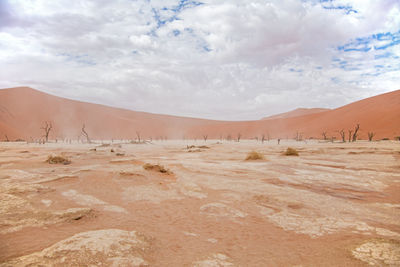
194	150
58	160
385	139
291	152
193	146
253	155
156	168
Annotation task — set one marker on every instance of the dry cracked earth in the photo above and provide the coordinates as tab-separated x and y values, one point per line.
333	205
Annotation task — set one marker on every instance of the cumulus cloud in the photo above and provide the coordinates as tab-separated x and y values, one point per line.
215	59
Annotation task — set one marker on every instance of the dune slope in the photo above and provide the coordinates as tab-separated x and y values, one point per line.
23	111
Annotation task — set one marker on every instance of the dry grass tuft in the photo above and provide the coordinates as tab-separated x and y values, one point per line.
58	160
156	168
253	155
193	146
291	152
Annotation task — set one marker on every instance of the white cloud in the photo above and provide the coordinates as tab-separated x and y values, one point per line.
219	59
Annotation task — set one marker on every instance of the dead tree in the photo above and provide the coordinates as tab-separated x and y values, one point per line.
85	134
228	137
238	137
205	136
324	135
343	135
355	134
138	136
370	136
263	138
299	136
350	133
47	128
7	140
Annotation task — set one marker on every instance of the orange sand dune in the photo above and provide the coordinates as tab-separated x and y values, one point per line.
296	113
24	110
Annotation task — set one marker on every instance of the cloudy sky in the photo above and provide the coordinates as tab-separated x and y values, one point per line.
232	60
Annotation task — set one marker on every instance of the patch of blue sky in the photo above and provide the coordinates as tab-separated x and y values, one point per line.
330	4
81	59
175	10
347	9
335	80
379	41
206	48
384	55
183	4
176	32
371	74
295	70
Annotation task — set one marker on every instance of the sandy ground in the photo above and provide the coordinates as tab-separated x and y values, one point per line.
333	205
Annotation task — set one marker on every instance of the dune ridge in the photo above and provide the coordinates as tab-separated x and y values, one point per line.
24	110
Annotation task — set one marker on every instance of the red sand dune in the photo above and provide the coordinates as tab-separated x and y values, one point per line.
24	110
296	113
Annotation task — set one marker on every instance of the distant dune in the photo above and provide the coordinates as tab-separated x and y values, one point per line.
296	113
24	110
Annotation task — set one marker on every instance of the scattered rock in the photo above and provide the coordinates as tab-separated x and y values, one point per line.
221	210
216	260
379	252
110	247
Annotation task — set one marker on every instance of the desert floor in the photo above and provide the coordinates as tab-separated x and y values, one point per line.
333	205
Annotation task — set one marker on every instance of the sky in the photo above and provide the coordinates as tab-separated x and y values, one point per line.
224	60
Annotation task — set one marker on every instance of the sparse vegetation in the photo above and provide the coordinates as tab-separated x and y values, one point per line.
47	128
350	133
156	168
200	147
253	155
58	160
355	134
238	137
138	136
299	136
370	136
343	135
291	152
324	135
85	134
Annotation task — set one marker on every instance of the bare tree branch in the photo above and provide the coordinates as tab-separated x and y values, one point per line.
355	134
85	134
47	128
343	135
370	136
238	137
324	135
